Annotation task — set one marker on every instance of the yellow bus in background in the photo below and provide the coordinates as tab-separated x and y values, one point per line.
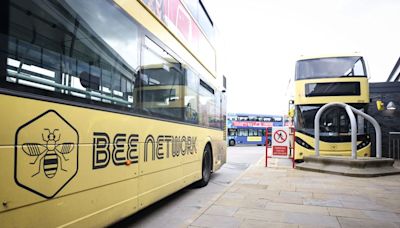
107	107
320	80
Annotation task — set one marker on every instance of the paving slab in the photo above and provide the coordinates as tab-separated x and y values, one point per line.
302	195
287	199
254	223
365	223
248	203
383	216
286	207
221	210
217	221
260	214
346	212
311	219
323	203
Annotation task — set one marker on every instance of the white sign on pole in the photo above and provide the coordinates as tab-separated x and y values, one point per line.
280	142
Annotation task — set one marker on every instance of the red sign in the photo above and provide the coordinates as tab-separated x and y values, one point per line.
251	124
279	151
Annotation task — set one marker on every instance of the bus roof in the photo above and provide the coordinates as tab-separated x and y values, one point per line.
356	54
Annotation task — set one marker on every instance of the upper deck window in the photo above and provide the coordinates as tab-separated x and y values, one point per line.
202	17
72	50
352	66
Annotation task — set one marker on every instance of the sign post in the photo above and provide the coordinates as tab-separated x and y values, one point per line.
281	140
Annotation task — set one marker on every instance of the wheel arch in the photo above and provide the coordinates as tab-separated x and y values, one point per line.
209	144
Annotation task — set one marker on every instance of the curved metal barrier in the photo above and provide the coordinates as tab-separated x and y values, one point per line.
350	111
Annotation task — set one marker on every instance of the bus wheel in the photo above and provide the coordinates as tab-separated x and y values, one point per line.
205	168
232	142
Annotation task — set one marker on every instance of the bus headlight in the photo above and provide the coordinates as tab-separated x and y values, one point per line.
303	144
365	142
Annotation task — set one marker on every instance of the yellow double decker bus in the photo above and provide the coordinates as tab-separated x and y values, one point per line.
107	107
321	80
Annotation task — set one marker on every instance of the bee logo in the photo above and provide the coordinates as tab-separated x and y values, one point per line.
50	154
46	154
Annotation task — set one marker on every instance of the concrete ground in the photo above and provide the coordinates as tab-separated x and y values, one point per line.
279	196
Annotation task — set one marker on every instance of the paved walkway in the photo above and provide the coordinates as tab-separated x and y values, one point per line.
285	197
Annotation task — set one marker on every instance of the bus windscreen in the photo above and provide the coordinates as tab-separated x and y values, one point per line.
352	66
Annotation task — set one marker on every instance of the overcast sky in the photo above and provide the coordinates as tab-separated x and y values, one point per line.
261	40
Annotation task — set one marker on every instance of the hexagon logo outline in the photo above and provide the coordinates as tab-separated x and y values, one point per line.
47	158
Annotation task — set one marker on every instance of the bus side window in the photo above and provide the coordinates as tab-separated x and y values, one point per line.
267	119
161	86
75	57
89	81
232	131
207	104
243	132
191	98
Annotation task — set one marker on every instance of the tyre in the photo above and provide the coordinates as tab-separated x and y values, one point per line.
232	142
205	168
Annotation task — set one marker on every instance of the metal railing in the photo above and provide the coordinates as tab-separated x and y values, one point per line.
30	78
394	145
350	112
